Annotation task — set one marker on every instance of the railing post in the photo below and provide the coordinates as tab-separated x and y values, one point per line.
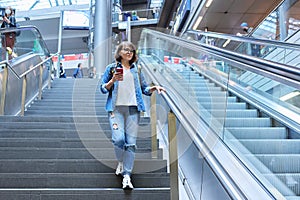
173	156
4	84
153	126
40	82
49	78
23	95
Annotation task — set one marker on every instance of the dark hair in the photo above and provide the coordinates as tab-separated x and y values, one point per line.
118	57
79	64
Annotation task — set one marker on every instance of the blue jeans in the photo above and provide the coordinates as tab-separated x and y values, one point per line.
124	125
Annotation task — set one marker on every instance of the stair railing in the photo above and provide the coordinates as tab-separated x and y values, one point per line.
23	76
5	66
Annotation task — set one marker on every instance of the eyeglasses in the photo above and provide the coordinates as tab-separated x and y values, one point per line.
128	50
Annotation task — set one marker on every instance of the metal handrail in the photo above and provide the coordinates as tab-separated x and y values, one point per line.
7	64
37	65
275	43
286	74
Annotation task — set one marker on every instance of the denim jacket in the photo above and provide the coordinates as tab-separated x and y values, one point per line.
140	89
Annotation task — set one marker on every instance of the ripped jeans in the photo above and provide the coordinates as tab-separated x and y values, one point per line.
124	125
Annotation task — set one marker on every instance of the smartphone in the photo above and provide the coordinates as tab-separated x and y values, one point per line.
119	70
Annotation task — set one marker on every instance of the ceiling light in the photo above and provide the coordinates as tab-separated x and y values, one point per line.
197	22
226	43
208	3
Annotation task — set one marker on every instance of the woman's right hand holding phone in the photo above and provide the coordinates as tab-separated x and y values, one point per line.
118	76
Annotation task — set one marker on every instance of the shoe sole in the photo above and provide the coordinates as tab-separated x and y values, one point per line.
127	188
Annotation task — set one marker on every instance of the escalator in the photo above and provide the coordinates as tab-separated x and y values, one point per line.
286	53
25	69
256	123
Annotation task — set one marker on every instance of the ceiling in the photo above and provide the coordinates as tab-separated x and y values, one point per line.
26	5
223	16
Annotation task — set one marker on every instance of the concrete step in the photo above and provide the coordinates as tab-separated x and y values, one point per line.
85	194
62	112
78	165
61	103
57	119
64	133
54	108
80	180
61	125
68	153
65	142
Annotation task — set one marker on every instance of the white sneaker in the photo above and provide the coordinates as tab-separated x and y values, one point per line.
127	185
119	169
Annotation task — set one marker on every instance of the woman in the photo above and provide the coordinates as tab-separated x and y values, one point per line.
124	103
9	21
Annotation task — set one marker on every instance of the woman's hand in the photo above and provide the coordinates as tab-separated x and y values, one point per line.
159	89
117	77
6	20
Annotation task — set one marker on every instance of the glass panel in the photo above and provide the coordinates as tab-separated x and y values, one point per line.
283	53
229	99
280	24
26	41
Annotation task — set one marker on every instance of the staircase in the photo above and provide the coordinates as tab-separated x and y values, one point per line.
61	149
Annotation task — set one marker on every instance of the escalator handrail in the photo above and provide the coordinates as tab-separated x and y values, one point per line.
22	28
259	41
283	73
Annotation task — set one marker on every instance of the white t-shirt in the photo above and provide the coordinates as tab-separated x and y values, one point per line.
126	91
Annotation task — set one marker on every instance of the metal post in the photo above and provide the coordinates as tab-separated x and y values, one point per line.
59	43
40	83
128	29
23	95
173	156
153	126
4	84
49	78
102	34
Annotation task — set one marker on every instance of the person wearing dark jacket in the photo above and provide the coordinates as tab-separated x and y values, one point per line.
9	21
62	72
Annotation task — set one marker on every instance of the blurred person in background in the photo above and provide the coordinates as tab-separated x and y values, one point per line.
9	38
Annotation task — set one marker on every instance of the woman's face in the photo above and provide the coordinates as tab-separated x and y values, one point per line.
126	53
